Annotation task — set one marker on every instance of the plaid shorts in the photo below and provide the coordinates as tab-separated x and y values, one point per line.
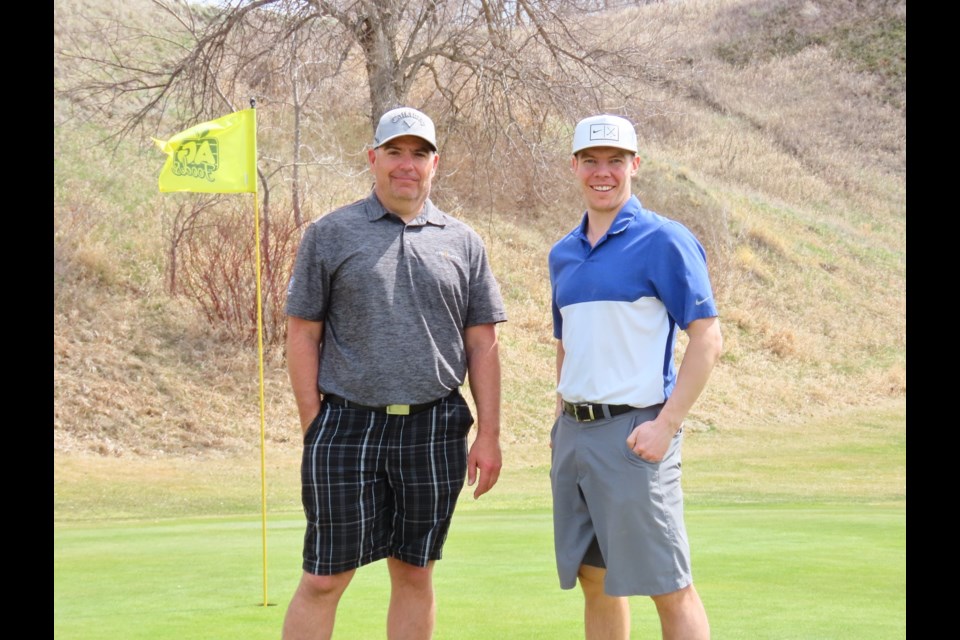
376	485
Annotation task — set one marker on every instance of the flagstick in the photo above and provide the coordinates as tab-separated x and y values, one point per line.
263	460
263	482
238	129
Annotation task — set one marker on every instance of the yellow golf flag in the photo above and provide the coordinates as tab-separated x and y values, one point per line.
219	156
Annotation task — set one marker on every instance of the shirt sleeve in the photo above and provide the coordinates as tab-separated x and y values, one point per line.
682	280
486	303
309	286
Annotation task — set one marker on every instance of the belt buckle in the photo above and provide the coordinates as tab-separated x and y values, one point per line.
398	409
589	408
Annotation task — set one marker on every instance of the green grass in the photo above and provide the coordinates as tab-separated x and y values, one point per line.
798	531
763	572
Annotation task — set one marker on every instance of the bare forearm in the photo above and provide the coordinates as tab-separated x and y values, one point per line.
483	369
484	459
699	359
303	367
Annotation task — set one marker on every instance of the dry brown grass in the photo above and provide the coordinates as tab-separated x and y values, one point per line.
790	165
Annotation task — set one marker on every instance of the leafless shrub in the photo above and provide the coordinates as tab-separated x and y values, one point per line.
218	269
180	225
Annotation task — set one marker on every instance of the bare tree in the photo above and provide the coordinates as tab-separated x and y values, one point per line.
503	79
507	63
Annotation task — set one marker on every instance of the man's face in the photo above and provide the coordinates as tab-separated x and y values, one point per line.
604	175
403	170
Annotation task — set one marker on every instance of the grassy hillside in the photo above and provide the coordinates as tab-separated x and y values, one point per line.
777	131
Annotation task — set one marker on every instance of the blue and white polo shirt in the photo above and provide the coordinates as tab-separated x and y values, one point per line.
617	306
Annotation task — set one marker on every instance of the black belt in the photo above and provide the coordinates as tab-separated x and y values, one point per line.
586	411
392	409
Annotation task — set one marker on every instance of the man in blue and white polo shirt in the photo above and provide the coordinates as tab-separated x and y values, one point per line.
623	282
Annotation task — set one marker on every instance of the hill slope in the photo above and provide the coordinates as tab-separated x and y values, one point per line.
778	133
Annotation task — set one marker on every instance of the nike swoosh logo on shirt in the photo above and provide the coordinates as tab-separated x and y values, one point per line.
700	302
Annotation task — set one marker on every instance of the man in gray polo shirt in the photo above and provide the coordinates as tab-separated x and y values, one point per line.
392	304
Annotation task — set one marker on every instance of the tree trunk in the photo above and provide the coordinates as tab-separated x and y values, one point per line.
377	38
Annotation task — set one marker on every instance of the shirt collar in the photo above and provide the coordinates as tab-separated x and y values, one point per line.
626	215
430	214
628	212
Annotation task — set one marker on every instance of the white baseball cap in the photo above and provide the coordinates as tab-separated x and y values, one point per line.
604	131
404	121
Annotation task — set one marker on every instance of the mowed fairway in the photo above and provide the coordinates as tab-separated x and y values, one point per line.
777	553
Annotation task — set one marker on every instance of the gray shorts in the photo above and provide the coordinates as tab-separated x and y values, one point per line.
614	510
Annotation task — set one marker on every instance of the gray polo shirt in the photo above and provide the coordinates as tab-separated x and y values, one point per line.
395	299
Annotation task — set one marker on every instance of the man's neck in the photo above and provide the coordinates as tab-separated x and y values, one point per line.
598	223
406	210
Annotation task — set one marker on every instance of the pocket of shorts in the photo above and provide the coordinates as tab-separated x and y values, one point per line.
629	453
467	415
309	433
553	434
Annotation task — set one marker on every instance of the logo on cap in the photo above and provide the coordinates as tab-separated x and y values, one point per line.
409	119
605	132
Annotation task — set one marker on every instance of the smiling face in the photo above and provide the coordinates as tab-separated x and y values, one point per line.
403	169
604	175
